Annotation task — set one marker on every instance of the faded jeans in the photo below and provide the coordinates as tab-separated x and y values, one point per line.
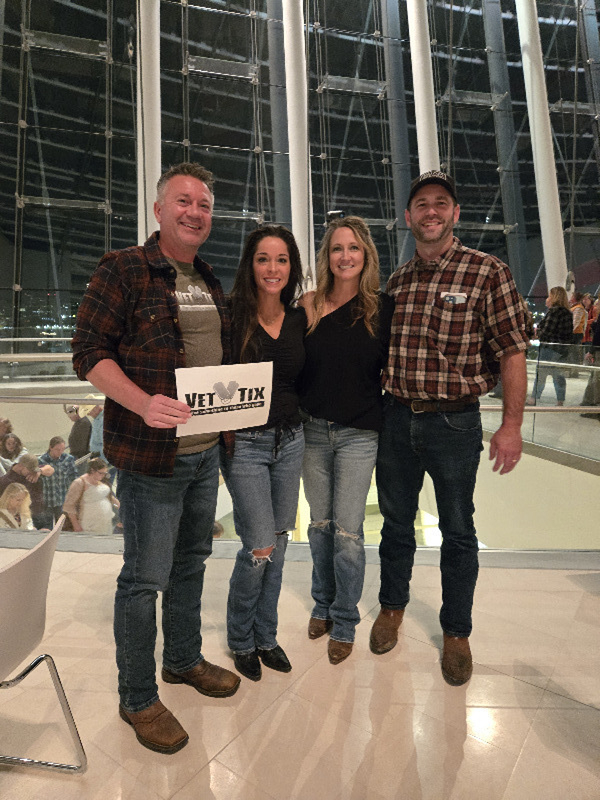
167	530
337	471
263	478
558	375
447	445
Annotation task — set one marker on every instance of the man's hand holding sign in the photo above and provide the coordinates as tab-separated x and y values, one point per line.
225	398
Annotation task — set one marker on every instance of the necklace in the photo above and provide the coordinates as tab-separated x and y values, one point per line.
270	320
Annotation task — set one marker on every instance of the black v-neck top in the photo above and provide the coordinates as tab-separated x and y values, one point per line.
287	354
341	379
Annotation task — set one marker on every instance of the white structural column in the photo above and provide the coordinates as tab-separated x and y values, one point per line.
546	184
148	113
420	53
297	114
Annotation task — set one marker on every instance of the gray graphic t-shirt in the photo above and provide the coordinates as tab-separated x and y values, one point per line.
201	329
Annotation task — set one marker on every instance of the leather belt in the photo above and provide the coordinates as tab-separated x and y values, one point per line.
429	406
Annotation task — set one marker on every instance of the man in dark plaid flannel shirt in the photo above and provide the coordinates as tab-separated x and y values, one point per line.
147	311
457	325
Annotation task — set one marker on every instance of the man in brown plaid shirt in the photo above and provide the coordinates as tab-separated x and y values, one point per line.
147	311
457	325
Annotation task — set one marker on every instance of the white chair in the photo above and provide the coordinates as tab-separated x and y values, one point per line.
23	589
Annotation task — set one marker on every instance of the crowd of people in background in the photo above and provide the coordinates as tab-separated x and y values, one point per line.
567	334
36	490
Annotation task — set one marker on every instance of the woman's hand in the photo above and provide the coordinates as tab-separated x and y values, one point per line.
75	523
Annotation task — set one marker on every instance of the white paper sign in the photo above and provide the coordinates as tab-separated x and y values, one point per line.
225	398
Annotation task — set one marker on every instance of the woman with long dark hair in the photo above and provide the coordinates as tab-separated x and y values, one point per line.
262	468
340	391
11	450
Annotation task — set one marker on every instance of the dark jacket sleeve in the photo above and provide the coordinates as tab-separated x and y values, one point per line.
101	318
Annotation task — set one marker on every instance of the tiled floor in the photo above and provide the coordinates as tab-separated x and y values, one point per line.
524	728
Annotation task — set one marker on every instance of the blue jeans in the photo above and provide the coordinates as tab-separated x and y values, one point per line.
167	528
337	470
263	479
558	375
447	445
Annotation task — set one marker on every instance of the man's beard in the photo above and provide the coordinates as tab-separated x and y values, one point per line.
424	235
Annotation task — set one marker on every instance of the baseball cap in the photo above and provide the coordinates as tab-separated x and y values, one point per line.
433	176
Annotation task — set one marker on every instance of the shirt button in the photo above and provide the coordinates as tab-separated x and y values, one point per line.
181	350
152	317
175	319
176	440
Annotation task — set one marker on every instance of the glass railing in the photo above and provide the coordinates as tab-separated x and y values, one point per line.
36	360
563	400
33	400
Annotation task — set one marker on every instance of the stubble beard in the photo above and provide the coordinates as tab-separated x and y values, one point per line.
421	233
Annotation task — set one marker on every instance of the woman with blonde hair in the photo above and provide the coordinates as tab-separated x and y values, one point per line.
340	393
555	333
15	511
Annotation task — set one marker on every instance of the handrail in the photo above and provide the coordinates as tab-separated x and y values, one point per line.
75	401
100	402
562	364
14	358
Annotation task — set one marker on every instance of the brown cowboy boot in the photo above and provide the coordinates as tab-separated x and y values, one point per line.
457	662
384	633
156	728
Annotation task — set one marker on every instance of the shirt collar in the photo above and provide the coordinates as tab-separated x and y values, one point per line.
158	260
439	262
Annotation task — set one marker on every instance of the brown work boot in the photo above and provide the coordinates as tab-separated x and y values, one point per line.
338	651
206	678
457	663
384	633
318	627
156	728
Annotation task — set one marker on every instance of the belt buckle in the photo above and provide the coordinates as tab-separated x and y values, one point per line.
415	406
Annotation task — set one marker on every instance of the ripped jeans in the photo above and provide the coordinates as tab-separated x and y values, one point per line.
263	483
337	470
